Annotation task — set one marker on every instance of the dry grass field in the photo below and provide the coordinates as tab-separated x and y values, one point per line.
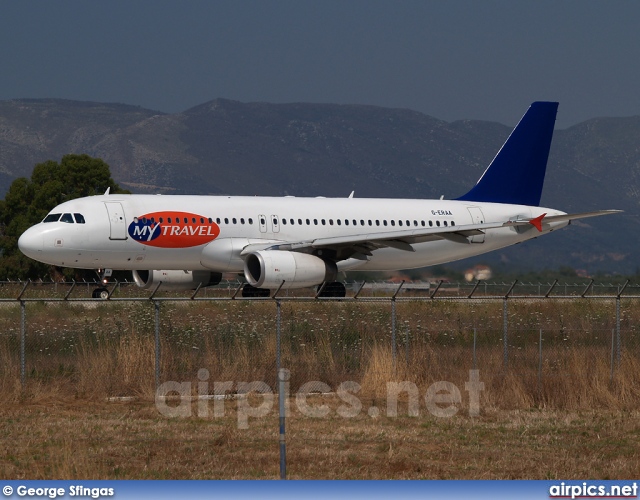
556	416
59	439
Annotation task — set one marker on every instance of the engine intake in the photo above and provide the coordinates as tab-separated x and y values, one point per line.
269	268
175	279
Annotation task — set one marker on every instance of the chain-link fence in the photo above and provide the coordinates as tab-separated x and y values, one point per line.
529	350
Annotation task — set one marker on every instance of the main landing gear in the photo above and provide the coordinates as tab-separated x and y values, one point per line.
101	292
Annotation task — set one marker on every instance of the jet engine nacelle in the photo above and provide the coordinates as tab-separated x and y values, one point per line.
175	279
269	268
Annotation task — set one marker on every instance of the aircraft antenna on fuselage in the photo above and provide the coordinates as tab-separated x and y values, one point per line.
107	191
352	193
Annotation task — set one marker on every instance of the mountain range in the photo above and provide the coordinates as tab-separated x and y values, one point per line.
301	149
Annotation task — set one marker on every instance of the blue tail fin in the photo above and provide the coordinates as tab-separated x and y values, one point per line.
516	174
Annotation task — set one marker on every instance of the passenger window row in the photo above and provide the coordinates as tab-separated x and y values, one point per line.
369	222
347	222
234	220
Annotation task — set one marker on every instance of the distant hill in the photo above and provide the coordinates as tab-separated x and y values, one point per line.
228	147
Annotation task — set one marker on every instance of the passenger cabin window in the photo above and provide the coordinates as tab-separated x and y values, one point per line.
52	218
68	218
79	218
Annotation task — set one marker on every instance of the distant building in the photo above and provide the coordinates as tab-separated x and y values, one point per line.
478	273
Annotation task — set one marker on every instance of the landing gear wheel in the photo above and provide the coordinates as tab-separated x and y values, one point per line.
249	291
100	293
334	289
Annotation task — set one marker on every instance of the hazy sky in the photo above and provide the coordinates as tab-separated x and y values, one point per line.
451	59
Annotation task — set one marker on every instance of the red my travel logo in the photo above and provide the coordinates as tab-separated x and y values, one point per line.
173	229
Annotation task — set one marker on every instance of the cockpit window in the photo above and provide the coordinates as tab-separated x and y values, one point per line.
52	218
67	218
79	218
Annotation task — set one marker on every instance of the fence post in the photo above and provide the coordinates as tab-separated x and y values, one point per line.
283	377
618	336
23	379
618	333
393	333
393	326
278	333
505	325
23	374
157	341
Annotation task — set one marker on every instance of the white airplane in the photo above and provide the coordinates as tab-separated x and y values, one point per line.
187	241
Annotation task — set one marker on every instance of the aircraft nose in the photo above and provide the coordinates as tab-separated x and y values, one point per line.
31	243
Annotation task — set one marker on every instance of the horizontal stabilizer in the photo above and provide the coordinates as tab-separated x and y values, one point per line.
537	222
583	215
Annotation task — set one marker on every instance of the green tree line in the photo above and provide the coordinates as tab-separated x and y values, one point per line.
28	201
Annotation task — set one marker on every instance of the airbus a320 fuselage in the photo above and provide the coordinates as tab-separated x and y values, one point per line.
289	242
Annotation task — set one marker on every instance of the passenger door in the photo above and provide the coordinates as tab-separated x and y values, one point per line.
477	217
116	220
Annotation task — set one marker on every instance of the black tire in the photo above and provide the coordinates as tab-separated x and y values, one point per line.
100	293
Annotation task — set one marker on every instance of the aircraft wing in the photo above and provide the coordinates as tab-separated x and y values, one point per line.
364	243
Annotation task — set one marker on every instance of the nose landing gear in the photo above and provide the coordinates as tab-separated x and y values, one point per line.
101	292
